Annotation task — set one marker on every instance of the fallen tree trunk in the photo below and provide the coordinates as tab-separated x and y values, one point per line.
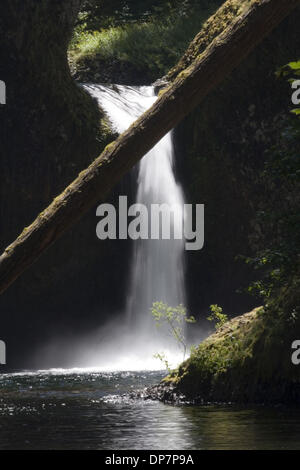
188	90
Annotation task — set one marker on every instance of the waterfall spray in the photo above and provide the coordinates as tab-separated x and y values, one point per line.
157	267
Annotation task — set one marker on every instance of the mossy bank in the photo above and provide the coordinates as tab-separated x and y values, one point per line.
247	360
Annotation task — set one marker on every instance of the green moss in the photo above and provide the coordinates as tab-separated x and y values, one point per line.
246	360
151	47
110	146
222	349
162	91
214	26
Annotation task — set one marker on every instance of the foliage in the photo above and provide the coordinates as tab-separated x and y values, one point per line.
227	366
225	349
101	14
175	319
292	72
162	357
279	218
217	316
96	15
153	45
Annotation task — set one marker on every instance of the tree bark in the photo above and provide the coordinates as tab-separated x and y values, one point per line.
187	91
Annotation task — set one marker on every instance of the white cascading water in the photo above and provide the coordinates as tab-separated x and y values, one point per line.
157	268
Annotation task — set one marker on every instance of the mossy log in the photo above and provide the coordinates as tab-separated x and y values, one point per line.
214	26
189	88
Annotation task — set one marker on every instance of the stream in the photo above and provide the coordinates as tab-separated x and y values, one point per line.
80	409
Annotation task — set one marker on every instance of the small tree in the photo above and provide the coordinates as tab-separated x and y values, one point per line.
174	318
163	358
217	316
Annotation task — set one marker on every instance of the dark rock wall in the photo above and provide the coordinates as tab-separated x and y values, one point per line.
50	130
221	150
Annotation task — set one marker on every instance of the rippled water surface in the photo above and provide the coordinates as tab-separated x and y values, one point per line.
93	410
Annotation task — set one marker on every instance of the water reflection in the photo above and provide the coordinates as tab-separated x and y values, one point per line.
231	427
94	411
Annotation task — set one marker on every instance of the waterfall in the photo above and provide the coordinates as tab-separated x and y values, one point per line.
157	266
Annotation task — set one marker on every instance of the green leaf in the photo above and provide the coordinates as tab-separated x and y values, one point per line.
294	65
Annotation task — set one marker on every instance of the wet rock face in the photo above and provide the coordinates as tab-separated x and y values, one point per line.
265	393
34	41
47	118
221	151
49	131
166	393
